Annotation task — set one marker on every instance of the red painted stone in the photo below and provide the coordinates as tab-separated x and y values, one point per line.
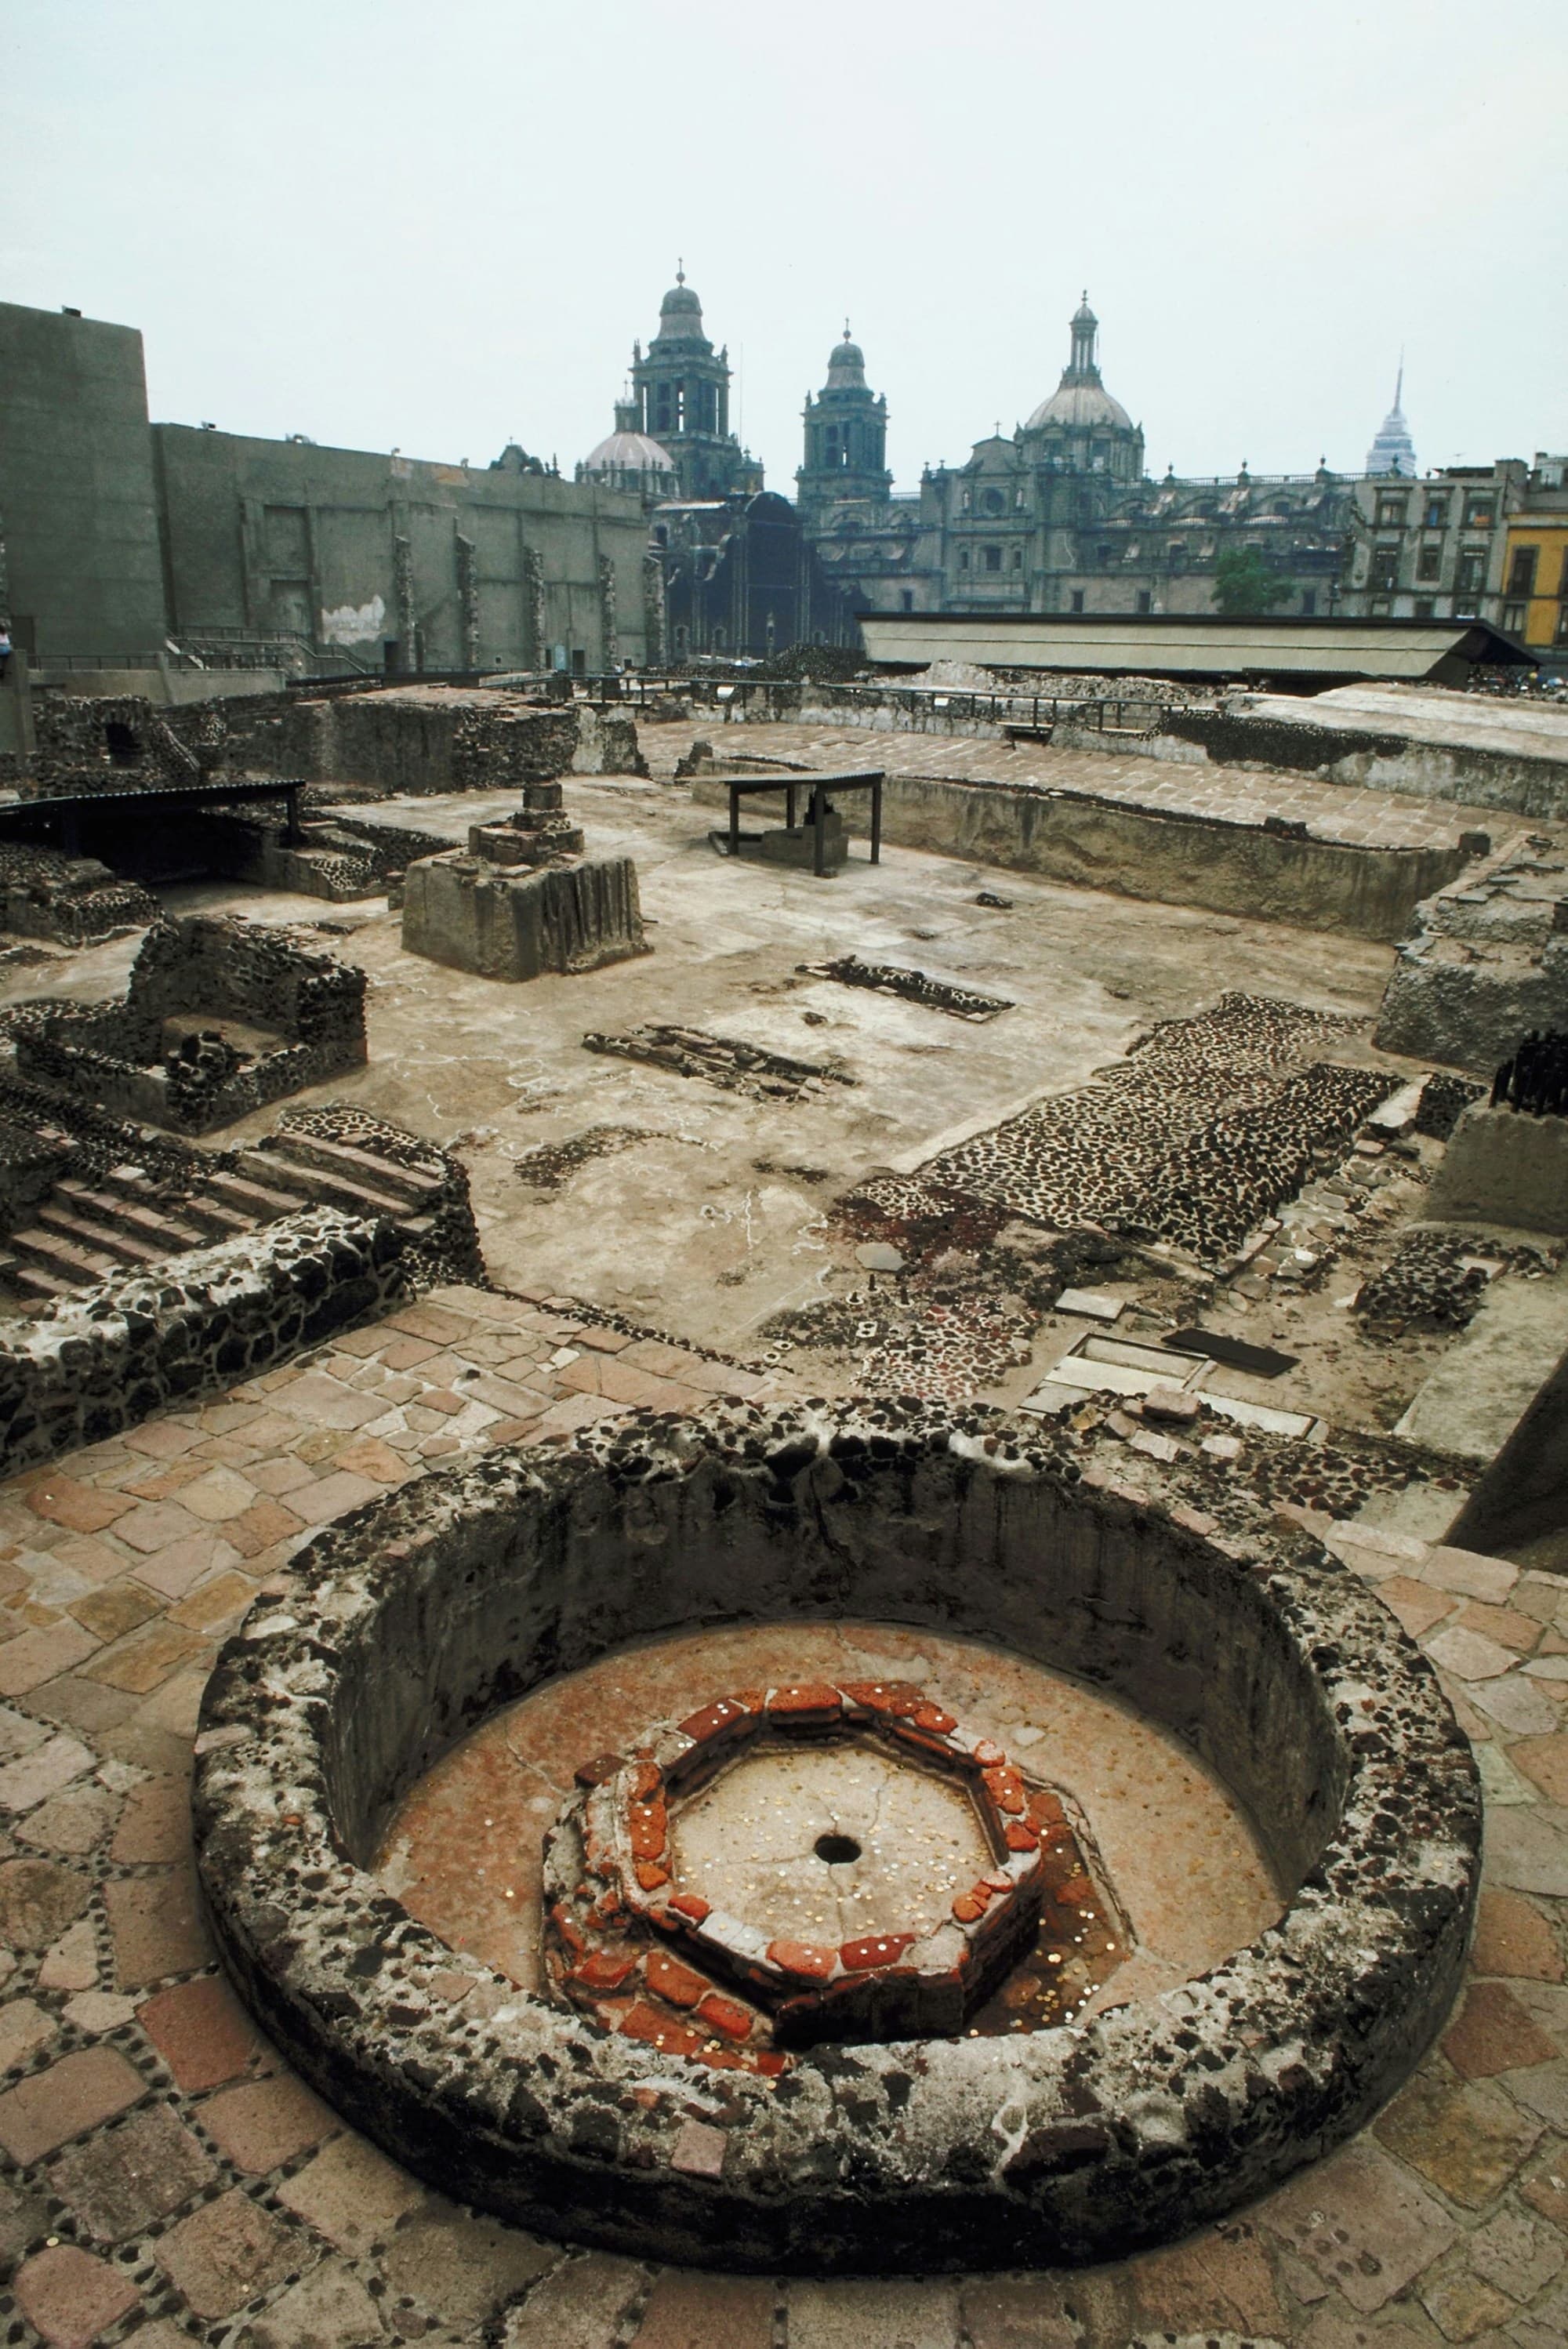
806	1699
1044	1810
807	1960
603	1969
594	1773
669	1978
1006	1789
932	1717
899	1699
723	2015
647	1782
648	1825
646	2022
966	1908
650	1875
714	1720
567	1927
988	1756
873	1950
998	1881
691	1905
1020	1837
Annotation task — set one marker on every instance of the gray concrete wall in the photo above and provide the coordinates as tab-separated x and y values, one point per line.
1174	859
78	513
356	548
1503	1168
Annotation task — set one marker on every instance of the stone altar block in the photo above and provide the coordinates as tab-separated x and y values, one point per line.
522	898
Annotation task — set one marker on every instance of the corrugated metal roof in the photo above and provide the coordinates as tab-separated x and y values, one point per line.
1174	647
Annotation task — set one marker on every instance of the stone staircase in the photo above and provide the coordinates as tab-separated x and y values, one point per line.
86	1229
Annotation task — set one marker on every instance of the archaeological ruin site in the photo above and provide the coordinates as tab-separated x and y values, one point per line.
786	1513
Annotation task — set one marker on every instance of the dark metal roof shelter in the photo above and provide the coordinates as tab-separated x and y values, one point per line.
1202	648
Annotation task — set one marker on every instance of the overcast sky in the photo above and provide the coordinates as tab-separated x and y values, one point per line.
440	226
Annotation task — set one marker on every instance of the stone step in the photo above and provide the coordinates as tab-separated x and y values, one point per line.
36	1287
258	1202
315	1185
362	1165
165	1233
90	1232
73	1267
216	1221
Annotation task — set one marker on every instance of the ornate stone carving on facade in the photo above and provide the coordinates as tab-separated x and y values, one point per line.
403	589
655	629
610	635
468	598
533	598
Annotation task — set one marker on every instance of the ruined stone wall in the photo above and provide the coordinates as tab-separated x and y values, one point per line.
120	742
1269	873
1504	1167
108	1357
73	900
112	1053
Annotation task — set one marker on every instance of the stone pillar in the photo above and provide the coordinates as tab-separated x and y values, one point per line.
469	599
655	628
610	634
533	594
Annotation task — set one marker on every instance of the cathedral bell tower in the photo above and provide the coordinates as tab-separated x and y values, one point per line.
681	394
846	437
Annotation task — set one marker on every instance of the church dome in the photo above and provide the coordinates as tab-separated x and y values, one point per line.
846	366
1079	405
680	311
1080	402
629	452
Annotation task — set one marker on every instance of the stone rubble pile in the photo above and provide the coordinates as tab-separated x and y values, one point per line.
725	1060
912	986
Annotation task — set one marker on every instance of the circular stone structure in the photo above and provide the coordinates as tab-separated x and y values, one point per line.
414	1619
704	1854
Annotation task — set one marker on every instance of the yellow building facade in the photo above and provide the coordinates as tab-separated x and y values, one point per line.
1535	562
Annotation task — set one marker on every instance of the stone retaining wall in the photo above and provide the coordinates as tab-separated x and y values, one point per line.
1502	1167
108	1357
1267	872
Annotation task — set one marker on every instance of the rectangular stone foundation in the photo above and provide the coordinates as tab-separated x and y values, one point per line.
501	923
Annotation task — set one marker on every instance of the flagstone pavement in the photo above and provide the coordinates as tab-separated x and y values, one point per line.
167	2179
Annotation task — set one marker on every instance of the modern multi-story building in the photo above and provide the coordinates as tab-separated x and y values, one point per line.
1431	549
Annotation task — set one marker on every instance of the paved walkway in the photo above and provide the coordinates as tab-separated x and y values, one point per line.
167	2179
1243	794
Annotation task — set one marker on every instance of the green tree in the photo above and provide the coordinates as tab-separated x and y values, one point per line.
1244	583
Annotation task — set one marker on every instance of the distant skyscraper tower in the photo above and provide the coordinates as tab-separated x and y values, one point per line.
1393	450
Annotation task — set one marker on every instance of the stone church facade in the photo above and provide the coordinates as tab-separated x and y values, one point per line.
1058	516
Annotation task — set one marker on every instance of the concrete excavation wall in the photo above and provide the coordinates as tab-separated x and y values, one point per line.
422	741
1524	1496
1503	1168
1175	858
108	1357
412	1620
1185	733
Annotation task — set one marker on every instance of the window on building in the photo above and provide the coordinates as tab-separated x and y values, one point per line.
1017	558
993	558
661	533
1521	570
1385	566
1106	552
1429	562
964	558
1562	623
1177	553
1380	608
1479	513
906	599
1470	577
680	640
993	502
1145	601
718	640
1424	607
1437	513
1309	603
1391	513
1078	599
